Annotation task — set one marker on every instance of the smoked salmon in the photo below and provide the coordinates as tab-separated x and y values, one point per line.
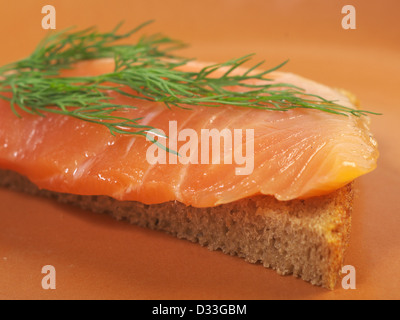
297	153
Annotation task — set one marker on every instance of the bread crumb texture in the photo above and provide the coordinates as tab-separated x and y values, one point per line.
305	238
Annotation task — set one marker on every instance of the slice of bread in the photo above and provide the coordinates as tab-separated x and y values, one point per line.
306	238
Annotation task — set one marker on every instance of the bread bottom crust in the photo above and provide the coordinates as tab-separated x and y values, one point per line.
305	238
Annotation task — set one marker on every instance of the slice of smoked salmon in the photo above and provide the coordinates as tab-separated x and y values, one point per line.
297	153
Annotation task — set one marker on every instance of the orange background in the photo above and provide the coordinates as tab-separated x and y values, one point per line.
97	257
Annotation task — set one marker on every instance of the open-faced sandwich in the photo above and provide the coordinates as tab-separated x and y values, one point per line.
257	164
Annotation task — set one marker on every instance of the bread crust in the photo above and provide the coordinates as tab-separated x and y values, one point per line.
306	238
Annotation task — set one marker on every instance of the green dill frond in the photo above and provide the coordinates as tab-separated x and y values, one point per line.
149	68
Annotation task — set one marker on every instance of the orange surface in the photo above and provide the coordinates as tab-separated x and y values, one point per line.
97	257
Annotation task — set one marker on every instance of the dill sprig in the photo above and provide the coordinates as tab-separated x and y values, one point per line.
148	67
